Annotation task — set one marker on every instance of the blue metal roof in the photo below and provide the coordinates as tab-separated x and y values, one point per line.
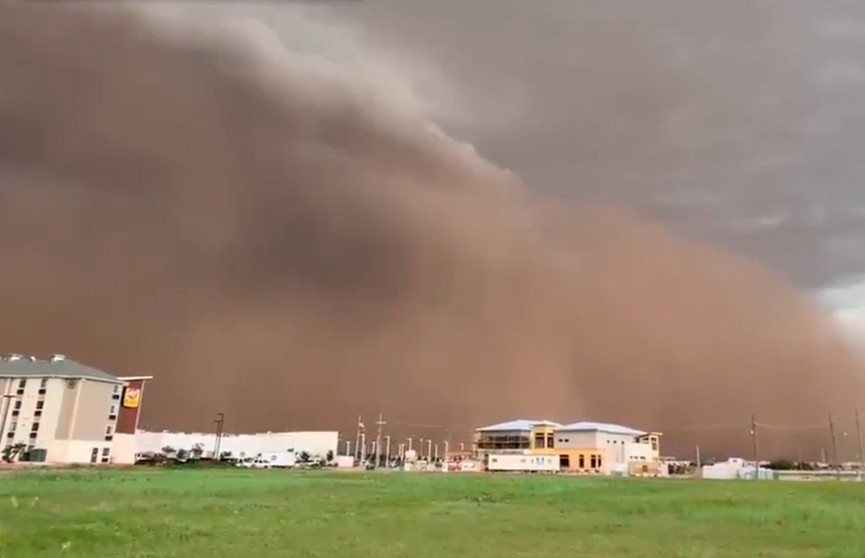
18	366
607	428
517	425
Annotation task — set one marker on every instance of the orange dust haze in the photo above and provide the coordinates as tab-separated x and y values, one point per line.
275	240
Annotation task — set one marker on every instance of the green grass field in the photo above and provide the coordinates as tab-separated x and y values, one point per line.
259	514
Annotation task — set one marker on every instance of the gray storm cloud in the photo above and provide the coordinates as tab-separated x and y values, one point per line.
276	238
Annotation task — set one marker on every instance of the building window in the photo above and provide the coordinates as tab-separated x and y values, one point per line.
40	405
21	385
599	462
550	441
109	433
592	462
44	383
112	412
504	441
10	434
539	441
35	427
12	426
582	461
117	389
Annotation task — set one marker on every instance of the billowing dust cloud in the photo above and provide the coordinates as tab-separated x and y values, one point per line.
271	240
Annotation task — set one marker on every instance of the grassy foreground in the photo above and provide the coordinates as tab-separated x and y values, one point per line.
260	514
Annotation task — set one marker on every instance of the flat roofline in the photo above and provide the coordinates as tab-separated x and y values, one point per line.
132	378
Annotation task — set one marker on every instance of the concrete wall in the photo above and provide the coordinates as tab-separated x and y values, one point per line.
51	404
94	406
78	451
124	448
70	390
576	440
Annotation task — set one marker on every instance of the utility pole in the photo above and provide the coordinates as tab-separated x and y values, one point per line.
754	441
699	463
220	421
420	450
861	449
834	443
357	437
348	447
380	422
387	450
362	447
409	443
428	449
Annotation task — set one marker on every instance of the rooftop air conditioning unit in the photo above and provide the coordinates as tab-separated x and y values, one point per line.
58	358
14	357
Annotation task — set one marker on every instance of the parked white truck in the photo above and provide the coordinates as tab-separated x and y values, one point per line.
516	463
270	460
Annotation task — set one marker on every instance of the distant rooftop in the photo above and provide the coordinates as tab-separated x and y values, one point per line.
517	425
525	425
607	428
57	366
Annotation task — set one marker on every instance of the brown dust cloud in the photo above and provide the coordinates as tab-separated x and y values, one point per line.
273	241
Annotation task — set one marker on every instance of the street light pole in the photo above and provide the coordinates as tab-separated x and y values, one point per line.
220	421
380	422
859	436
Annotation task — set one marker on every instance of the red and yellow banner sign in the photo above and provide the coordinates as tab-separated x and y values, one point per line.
132	397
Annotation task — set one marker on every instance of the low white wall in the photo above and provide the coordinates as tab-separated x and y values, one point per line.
124	447
76	451
124	450
241	445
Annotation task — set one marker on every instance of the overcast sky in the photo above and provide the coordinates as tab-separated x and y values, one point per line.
739	122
